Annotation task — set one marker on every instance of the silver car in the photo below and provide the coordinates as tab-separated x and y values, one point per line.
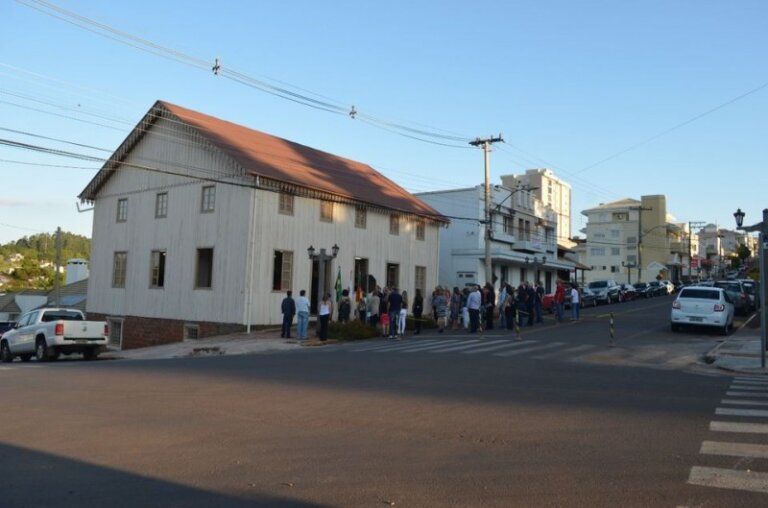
703	306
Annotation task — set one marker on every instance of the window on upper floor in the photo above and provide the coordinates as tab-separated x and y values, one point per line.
122	209
394	224
285	206
361	217
208	199
420	229
326	211
161	205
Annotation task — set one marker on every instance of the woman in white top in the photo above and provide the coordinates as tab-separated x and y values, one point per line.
324	310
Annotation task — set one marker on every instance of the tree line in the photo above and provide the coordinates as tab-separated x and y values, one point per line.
37	250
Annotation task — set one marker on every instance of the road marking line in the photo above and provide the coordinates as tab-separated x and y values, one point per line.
728	479
734	449
745	402
507	344
746	428
529	349
751	379
465	345
745	394
753	382
575	349
408	348
391	344
741	412
749	388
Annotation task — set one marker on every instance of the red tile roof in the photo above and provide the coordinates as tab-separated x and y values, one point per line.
280	160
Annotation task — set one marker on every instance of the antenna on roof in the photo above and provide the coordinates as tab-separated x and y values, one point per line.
216	66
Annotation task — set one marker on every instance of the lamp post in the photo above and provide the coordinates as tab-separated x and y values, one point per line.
321	259
629	266
762	229
536	263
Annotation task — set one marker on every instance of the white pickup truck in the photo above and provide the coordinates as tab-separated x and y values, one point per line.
46	333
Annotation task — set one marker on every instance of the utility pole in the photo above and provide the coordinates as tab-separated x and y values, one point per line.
691	225
640	209
486	144
56	284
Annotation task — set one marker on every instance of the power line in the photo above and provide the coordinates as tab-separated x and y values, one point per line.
283	92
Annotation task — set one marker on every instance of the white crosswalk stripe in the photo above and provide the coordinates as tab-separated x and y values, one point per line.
744	402
529	349
465	345
750	450
744	428
757	380
749	388
390	345
729	479
506	345
727	411
408	348
745	394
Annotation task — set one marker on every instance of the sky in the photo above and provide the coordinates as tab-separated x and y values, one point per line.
619	99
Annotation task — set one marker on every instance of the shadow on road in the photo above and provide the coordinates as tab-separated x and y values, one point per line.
41	479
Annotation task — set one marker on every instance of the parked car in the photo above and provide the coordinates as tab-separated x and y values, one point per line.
738	294
751	287
627	293
642	290
588	298
606	291
46	333
668	284
703	306
656	288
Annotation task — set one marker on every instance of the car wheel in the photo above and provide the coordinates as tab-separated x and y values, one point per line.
41	351
726	328
5	353
594	303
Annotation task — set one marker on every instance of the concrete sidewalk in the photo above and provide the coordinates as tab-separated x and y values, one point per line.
738	353
262	341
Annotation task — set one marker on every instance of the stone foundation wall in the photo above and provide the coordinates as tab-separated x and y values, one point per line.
143	332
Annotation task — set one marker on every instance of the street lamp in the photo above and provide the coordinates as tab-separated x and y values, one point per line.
321	259
762	229
629	266
536	263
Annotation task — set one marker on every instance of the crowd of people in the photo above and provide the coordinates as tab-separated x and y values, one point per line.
472	308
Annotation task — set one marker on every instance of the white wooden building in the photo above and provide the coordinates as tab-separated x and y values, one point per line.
200	226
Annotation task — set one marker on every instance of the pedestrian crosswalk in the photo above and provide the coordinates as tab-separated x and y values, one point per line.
535	349
742	439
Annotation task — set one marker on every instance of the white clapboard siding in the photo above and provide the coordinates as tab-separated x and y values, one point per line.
245	229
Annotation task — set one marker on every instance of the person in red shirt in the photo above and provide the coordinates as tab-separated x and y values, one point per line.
559	301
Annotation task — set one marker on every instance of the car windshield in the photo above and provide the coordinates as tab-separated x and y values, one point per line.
640	285
598	284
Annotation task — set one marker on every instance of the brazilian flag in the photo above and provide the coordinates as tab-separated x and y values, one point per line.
338	285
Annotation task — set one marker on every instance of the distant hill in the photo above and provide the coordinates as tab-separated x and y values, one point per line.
36	265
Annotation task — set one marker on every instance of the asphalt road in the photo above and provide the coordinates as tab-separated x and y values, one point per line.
556	419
